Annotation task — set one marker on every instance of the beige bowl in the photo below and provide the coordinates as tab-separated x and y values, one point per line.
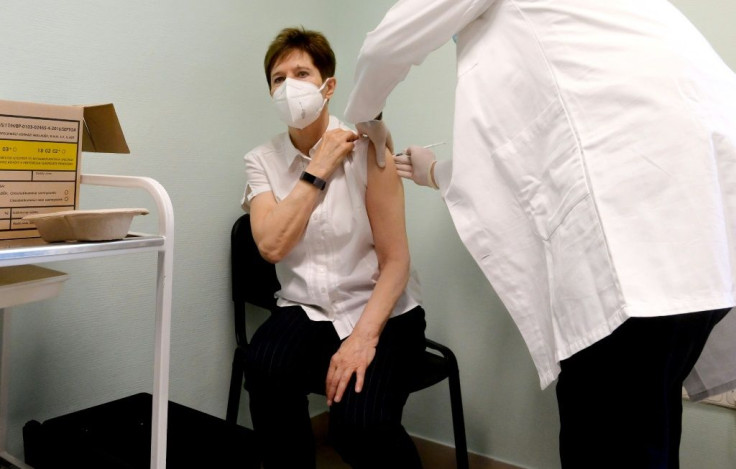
85	225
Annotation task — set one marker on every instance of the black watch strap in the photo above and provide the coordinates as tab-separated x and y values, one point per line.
313	180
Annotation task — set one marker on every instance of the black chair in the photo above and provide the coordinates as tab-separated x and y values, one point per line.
254	281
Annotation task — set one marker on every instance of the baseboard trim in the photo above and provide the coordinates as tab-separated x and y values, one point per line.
434	455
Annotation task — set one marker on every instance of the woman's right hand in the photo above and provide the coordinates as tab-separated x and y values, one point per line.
335	146
352	358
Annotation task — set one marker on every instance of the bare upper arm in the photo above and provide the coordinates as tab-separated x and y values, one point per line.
385	206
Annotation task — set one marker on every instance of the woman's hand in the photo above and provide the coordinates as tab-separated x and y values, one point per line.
336	144
353	356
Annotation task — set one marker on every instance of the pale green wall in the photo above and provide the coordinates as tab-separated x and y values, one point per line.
187	81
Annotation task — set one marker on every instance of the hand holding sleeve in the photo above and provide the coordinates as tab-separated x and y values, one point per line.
379	135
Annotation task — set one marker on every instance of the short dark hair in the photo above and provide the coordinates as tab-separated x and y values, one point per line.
312	42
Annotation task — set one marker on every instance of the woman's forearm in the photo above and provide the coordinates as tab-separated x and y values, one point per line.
392	280
279	226
357	351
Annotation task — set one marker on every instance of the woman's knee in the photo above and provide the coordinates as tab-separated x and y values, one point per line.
265	371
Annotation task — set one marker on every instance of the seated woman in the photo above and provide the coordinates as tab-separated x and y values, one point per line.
349	323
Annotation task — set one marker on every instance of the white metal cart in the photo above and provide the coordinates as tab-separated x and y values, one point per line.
163	244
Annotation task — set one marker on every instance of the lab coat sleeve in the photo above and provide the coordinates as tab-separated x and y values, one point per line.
442	173
410	30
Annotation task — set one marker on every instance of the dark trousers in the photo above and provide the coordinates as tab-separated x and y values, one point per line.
620	400
288	358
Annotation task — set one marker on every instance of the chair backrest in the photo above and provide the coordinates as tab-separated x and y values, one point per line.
253	278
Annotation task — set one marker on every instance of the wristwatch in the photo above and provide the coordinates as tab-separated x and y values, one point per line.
313	180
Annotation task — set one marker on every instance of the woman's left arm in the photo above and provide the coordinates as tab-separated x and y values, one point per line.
384	201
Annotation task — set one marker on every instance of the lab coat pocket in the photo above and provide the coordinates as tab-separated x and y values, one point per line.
543	167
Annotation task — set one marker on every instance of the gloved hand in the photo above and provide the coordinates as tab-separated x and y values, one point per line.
417	163
379	135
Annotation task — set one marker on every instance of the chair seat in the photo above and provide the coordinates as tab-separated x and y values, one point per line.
431	370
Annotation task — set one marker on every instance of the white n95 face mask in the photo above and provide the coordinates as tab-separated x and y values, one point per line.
299	103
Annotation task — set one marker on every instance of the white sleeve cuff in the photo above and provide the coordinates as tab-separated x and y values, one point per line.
443	174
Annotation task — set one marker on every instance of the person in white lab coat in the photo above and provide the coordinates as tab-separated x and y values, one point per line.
593	180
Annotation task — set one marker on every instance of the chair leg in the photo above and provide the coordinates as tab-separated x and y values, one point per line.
458	419
236	384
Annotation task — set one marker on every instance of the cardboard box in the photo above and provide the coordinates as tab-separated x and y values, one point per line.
40	158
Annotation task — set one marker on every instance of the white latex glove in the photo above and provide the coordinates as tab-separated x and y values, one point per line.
379	135
417	163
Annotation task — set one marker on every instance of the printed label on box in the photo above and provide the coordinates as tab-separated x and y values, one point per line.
38	169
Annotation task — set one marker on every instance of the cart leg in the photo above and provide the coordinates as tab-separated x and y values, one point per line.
161	362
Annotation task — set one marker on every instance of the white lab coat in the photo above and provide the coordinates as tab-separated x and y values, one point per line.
594	173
